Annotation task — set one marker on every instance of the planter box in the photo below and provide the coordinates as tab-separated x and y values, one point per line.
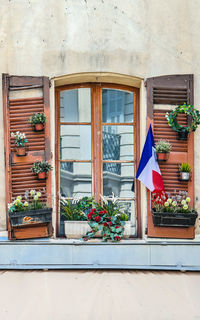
77	229
29	217
31	231
168	219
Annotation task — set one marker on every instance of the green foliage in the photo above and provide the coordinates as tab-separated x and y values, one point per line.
163	146
76	209
175	204
188	110
185	167
32	202
38	118
20	138
41	166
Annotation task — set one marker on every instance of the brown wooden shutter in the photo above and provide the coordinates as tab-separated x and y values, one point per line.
32	97
171	90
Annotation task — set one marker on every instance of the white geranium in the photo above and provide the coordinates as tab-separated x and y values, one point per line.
25	204
32	192
35	197
169	201
183	202
185	207
188	199
174	203
166	204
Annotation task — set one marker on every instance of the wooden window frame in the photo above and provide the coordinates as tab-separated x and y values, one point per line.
96	115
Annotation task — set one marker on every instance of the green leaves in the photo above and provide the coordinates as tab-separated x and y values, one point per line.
41	166
38	118
188	110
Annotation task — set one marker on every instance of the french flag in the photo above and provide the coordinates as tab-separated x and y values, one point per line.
148	171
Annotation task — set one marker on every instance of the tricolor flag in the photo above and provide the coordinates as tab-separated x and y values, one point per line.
148	170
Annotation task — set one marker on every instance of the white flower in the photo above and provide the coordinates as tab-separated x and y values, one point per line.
17	201
183	202
12	134
166	204
32	192
25	204
19	198
169	201
35	198
185	207
9	205
39	194
188	199
174	203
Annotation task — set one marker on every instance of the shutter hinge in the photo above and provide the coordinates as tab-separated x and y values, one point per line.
145	83
50	83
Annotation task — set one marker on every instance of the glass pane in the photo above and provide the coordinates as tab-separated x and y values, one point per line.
118	178
75	179
75	142
117	106
75	105
118	143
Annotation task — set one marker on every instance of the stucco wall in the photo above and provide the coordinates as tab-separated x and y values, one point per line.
140	38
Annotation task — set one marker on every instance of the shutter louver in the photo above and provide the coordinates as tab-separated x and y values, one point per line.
171	90
17	112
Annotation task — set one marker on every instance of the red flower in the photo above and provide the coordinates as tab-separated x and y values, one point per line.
97	219
109	218
104	235
110	223
105	224
85	239
116	227
101	212
104	211
117	238
93	211
89	215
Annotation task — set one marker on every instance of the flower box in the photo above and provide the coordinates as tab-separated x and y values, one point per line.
171	219
30	217
162	156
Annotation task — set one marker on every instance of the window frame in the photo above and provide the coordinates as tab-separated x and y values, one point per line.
96	115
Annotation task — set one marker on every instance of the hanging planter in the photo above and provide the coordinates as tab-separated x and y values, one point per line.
20	141
163	148
181	130
21	151
185	171
172	212
41	168
38	120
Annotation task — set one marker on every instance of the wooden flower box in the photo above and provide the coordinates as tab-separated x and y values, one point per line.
29	217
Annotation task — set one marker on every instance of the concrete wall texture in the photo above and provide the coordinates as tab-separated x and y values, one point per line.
140	38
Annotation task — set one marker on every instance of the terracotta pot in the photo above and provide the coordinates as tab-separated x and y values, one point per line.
162	156
39	127
42	175
21	151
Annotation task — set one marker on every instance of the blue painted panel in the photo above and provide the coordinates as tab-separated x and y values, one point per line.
185	255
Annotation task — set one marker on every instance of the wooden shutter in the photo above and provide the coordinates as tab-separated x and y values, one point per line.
31	96
171	90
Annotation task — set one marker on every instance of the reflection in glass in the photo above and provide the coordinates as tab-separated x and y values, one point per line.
117	106
118	143
75	180
120	182
75	105
75	142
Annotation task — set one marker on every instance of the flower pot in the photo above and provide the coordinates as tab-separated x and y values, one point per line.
183	135
162	156
129	230
39	127
42	175
169	219
184	176
30	217
76	229
21	151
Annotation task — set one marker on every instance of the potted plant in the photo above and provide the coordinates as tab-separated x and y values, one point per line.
38	120
41	168
185	170
163	148
181	130
172	211
29	211
75	213
20	141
